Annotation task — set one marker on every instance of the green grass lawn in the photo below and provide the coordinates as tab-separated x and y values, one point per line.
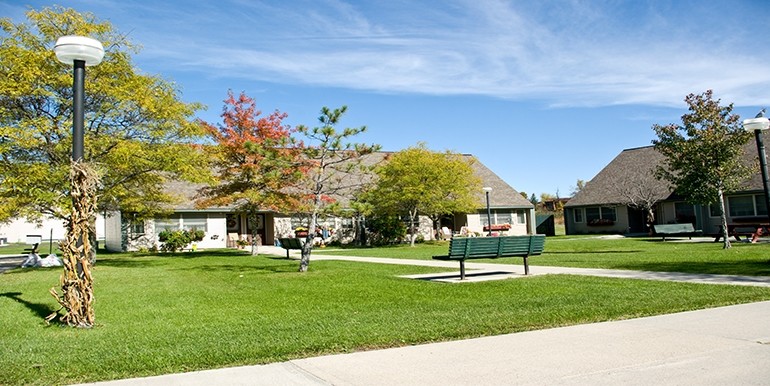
645	254
179	312
18	249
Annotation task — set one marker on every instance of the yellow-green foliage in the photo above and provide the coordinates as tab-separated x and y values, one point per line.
420	181
138	132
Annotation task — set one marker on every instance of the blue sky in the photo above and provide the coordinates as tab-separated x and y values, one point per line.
542	92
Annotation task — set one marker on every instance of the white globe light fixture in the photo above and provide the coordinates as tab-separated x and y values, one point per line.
759	124
68	49
754	124
79	52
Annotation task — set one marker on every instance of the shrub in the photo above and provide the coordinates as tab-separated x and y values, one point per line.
176	240
386	230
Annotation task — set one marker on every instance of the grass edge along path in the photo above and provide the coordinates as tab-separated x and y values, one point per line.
176	313
637	254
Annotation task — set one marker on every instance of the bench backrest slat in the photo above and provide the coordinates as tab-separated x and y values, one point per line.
476	247
674	228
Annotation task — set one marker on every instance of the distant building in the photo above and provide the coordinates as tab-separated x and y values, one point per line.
599	208
511	212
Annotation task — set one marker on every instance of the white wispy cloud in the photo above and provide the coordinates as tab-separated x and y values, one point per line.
565	53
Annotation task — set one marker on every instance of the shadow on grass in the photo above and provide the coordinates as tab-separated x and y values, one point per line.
149	259
747	268
41	310
546	252
242	268
127	263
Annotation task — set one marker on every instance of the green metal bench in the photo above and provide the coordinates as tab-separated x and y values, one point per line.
686	229
291	243
466	248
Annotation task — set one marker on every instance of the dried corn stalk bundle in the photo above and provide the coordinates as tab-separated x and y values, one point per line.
76	282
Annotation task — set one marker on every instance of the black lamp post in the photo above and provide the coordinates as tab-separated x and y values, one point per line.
78	51
487	189
759	124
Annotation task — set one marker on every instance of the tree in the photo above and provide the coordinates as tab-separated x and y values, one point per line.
579	185
256	159
638	194
334	167
138	133
703	155
533	199
418	181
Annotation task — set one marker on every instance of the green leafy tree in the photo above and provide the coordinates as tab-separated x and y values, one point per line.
418	181
533	199
137	135
579	185
257	162
334	167
703	154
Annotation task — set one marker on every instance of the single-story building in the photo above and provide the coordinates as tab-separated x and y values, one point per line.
48	228
512	213
604	205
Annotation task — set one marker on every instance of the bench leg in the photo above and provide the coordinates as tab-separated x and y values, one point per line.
462	269
526	265
287	253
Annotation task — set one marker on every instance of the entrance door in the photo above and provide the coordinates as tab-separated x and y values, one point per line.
233	230
637	221
260	228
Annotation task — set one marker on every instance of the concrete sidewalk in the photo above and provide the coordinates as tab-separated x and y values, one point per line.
720	346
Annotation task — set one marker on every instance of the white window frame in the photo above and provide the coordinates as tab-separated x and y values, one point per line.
578	212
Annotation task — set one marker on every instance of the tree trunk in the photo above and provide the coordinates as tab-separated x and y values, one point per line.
437	228
723	219
304	261
650	219
412	229
361	230
76	282
254	234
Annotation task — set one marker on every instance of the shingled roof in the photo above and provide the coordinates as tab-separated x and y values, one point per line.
637	166
502	195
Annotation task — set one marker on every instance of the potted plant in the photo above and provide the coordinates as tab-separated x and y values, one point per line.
300	232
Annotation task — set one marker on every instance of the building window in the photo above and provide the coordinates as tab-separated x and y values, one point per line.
608	213
604	215
197	221
743	206
714	210
503	218
136	227
760	205
521	217
685	213
593	214
578	214
740	206
167	224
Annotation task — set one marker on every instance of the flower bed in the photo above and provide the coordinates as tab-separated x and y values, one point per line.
601	222
498	227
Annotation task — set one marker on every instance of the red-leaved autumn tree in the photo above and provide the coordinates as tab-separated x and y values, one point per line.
256	159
